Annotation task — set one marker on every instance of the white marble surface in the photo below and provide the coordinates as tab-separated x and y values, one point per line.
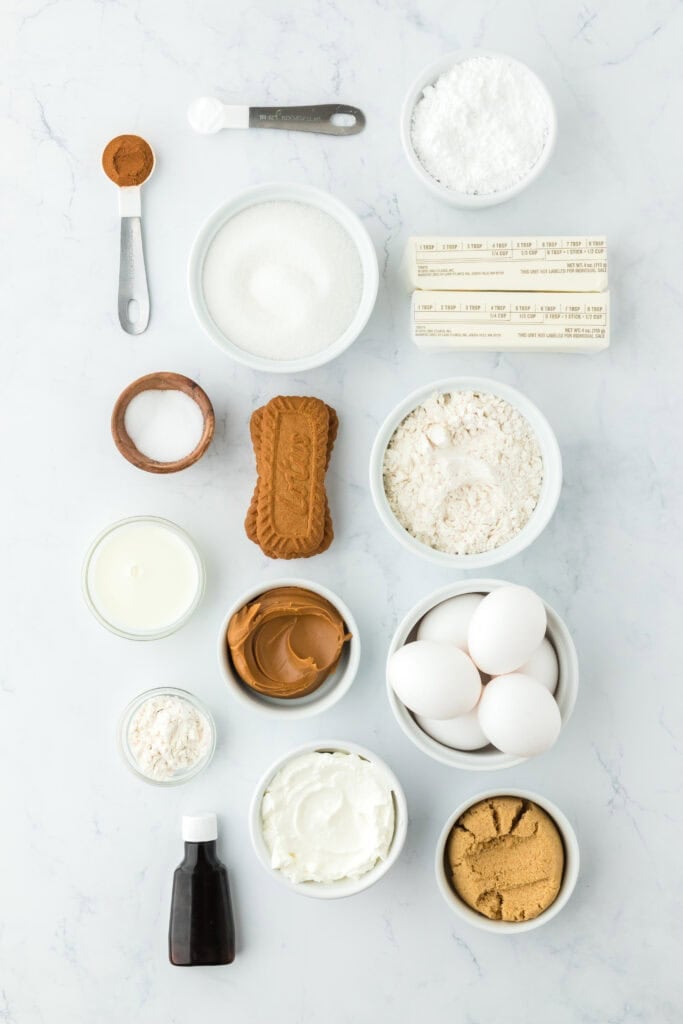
87	851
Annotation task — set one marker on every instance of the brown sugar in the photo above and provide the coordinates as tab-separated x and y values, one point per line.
506	858
128	160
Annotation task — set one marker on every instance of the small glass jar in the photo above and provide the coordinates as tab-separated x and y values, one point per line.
124	740
122	575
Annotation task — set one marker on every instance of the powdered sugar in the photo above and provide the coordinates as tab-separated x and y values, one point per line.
482	126
463	472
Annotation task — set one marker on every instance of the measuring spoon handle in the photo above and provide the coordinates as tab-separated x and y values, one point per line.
308	119
133	278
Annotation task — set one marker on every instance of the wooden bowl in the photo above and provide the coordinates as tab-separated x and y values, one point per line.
161	382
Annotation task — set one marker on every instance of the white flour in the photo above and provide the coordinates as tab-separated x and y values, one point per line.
481	126
463	472
166	735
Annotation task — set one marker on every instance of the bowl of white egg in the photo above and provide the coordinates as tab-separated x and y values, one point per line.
482	675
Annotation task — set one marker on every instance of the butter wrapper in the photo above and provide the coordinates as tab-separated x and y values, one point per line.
511	263
503	321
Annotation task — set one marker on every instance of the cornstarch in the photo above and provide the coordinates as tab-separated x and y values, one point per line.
168	734
463	472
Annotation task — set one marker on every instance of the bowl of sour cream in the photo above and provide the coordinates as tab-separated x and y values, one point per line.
328	819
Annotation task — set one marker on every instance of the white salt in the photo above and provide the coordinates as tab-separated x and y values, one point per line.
482	126
164	425
282	280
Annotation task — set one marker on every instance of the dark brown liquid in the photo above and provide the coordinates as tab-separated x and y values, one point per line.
202	930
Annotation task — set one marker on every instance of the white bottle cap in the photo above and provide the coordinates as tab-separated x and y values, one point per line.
199	828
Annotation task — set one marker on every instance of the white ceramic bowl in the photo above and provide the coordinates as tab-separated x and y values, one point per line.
487	758
550	488
334	687
124	728
346	886
427	77
571	867
274	192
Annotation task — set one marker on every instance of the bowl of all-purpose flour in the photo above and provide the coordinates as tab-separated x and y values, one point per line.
466	472
167	736
283	277
478	127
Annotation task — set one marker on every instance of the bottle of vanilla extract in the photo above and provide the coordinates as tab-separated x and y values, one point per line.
201	931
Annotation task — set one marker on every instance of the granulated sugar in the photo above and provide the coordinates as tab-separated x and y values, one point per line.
482	126
463	472
282	279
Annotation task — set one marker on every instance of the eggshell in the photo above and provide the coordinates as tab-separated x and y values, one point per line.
506	629
542	666
448	622
435	680
519	715
461	733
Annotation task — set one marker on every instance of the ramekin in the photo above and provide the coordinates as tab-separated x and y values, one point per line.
328	693
124	726
170	628
346	886
488	758
428	76
275	192
550	487
569	878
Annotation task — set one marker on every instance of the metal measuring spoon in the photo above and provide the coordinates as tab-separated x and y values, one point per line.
208	115
133	295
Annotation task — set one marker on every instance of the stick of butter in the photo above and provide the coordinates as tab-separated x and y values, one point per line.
544	264
521	321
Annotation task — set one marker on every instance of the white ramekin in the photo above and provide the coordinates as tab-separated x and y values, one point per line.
427	77
347	886
550	488
334	687
274	192
488	758
571	866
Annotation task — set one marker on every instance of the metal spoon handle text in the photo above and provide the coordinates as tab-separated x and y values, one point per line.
310	119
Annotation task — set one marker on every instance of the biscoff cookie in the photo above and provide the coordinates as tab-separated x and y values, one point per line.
506	858
289	514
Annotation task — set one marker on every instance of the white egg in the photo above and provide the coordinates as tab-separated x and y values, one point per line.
448	622
506	629
461	733
434	680
519	715
542	666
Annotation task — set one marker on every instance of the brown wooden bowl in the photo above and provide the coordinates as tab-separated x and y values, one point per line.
162	381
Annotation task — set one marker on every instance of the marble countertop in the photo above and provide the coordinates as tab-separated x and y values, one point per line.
87	850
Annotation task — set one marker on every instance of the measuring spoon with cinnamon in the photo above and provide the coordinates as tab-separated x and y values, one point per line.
128	161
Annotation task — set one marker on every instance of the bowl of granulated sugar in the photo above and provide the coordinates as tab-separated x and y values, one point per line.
478	127
283	277
465	472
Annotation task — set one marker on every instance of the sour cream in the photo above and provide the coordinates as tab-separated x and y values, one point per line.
327	816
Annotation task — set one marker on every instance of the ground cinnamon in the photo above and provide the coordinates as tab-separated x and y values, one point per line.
128	160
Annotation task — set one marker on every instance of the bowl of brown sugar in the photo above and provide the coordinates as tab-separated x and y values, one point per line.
507	862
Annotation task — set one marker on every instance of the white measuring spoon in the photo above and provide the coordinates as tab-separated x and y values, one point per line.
133	297
207	115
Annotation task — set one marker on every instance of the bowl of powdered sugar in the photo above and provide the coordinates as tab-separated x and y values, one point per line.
466	472
478	127
283	277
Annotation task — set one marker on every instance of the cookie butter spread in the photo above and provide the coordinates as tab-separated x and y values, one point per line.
286	642
506	858
327	816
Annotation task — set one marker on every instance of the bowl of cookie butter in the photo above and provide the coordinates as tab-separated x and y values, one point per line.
289	648
507	861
